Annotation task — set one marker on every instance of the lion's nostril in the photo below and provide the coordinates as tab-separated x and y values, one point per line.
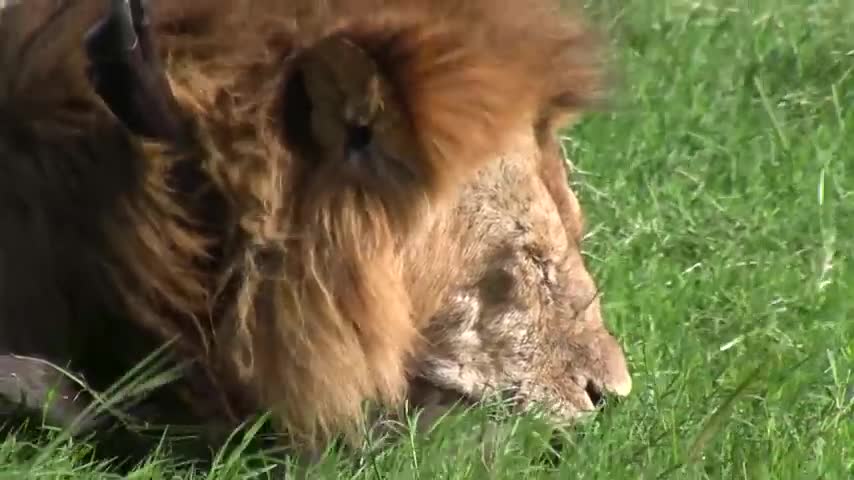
597	398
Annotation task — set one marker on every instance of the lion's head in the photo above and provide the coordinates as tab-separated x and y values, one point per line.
367	202
518	313
417	226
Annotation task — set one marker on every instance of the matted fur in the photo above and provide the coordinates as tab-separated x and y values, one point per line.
281	267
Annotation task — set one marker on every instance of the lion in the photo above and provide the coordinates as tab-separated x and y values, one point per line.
313	206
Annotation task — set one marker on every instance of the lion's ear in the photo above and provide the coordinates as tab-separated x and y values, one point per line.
343	86
338	103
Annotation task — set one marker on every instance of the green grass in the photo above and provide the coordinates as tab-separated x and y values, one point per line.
719	192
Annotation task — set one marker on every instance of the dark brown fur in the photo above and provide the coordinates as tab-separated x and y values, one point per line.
278	263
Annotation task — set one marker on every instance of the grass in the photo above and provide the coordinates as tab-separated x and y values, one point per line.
719	193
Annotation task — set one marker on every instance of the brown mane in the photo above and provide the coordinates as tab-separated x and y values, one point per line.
274	265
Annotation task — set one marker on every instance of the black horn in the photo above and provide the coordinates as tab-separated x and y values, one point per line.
126	72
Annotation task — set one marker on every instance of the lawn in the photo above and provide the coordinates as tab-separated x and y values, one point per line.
719	193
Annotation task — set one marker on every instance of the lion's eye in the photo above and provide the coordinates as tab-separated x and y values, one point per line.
546	267
549	271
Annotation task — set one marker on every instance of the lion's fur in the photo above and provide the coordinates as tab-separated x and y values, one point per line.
277	268
86	185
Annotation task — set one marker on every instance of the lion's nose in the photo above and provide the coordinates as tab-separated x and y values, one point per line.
608	371
613	377
605	372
